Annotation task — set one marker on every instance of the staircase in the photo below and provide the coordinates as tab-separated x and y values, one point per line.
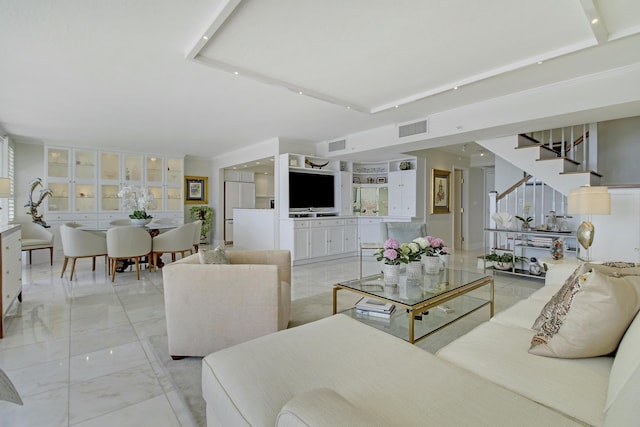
554	164
558	164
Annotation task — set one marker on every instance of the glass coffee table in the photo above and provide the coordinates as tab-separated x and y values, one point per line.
422	306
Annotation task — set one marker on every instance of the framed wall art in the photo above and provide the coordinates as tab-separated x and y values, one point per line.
440	191
195	189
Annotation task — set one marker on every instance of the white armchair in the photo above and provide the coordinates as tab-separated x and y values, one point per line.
78	243
179	240
35	237
213	306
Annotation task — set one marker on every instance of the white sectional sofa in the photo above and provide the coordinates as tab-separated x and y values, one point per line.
338	371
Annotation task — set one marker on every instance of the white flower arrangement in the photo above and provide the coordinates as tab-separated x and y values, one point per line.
137	199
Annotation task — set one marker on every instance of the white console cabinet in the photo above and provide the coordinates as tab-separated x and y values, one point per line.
11	268
317	239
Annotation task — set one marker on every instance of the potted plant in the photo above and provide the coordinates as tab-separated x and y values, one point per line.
526	222
503	261
205	214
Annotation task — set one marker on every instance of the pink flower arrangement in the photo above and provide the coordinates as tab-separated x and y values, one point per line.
435	246
392	253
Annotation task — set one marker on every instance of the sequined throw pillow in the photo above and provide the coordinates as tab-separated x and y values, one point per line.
213	256
551	306
591	316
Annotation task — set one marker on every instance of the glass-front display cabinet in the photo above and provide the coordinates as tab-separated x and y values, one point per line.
175	185
71	176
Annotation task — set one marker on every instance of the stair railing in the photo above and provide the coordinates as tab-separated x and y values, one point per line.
572	142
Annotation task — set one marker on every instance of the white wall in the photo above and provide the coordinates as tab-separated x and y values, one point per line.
619	151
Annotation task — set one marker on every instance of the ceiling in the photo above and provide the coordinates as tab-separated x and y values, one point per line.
140	76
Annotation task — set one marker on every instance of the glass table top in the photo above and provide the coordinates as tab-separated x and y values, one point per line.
412	292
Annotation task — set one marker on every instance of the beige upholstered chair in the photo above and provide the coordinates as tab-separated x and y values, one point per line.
127	243
35	237
197	229
78	243
404	232
179	240
120	222
213	306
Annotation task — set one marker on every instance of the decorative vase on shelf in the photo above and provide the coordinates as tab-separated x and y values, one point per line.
141	222
391	274
431	264
414	270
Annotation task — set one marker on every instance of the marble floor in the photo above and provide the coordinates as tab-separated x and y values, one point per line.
79	352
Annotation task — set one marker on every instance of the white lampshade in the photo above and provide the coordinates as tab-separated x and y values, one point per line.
589	201
5	187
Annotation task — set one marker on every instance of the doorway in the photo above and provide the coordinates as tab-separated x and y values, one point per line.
458	209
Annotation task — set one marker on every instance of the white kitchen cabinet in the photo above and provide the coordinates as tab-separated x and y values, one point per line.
11	269
402	193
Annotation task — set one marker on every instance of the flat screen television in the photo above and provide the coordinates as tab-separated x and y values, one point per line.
310	190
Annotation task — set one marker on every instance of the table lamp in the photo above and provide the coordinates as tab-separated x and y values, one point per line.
5	188
588	201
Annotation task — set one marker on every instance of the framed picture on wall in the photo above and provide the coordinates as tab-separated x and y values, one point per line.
440	191
195	189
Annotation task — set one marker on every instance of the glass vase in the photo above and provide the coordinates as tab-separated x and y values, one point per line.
391	274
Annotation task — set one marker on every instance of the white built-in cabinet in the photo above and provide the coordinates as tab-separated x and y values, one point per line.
316	239
10	269
365	193
402	193
85	184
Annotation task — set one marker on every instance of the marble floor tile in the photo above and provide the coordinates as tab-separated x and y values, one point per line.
84	352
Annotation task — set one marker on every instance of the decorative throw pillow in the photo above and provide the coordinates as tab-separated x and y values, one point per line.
218	255
591	317
551	306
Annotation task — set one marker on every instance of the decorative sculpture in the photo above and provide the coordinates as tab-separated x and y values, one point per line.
33	207
315	165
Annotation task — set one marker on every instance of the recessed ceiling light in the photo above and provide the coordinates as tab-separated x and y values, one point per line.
594	21
481	153
257	163
397	106
235	167
300	93
246	166
271	159
236	73
539	62
455	88
348	107
205	38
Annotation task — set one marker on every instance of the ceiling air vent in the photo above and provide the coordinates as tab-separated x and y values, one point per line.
337	145
412	129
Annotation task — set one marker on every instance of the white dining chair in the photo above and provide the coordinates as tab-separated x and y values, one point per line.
77	243
128	242
179	240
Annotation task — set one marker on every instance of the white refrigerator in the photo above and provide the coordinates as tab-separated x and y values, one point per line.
236	195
